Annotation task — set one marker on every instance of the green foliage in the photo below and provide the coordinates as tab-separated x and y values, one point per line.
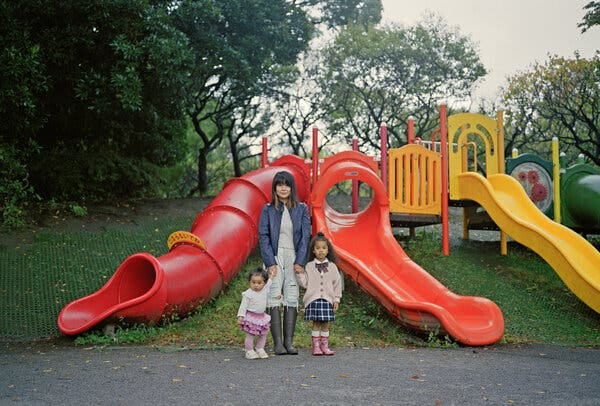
78	211
388	74
558	98
234	53
136	334
342	13
92	79
16	195
23	80
591	17
113	176
111	79
434	339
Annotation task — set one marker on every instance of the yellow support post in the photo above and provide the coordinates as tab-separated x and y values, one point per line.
501	169
556	180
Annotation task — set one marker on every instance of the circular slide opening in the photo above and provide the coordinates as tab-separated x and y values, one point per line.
332	199
340	197
138	276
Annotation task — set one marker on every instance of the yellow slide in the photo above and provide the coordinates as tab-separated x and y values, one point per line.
573	258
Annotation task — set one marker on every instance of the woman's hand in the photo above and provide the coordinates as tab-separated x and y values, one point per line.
240	320
335	306
298	268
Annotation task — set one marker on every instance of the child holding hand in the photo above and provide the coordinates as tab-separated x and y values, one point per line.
323	283
251	314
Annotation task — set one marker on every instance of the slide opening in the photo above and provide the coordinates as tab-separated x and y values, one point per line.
340	197
336	207
138	277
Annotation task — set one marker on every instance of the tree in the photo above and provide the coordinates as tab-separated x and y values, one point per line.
341	13
388	74
111	75
23	83
295	105
591	17
235	43
240	63
558	98
91	100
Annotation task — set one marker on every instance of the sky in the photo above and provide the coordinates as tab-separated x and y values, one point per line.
511	35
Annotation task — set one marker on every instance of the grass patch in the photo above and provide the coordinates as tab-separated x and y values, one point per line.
38	279
537	305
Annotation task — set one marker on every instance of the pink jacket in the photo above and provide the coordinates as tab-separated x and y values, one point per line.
326	285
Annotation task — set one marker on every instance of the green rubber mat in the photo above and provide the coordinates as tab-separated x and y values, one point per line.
37	280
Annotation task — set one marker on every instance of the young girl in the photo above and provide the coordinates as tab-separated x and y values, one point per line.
283	235
323	285
251	314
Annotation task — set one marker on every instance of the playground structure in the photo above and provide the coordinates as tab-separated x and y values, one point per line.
571	256
568	194
199	263
423	178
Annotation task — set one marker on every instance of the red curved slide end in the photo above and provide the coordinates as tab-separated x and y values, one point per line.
370	255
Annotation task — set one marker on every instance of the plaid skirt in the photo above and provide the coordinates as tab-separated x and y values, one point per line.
319	310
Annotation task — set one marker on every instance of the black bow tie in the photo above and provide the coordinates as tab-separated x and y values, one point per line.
322	267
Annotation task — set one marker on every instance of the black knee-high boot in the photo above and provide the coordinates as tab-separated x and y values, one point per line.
275	314
289	325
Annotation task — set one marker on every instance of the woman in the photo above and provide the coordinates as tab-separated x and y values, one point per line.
283	234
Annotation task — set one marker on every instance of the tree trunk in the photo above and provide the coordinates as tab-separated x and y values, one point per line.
237	169
202	171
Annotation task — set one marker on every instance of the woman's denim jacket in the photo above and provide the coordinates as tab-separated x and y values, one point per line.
268	232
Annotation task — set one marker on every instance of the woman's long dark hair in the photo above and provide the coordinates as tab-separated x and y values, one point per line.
284	178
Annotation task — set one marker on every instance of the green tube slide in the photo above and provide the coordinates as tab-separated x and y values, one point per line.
580	197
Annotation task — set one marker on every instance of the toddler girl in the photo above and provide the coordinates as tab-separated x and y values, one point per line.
251	314
323	285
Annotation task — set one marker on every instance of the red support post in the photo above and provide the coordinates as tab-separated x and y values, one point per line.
444	151
264	161
354	182
315	154
410	138
383	164
383	136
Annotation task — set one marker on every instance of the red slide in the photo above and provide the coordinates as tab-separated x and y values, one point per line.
370	255
197	267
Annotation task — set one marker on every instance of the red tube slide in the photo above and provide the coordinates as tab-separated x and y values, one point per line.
370	255
199	264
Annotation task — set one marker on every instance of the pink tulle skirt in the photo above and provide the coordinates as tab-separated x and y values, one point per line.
256	323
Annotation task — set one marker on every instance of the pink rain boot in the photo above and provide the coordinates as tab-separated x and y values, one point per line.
325	346
316	346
